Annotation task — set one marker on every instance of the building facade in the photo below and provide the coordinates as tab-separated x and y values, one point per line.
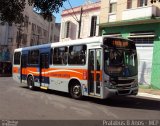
138	20
56	32
33	31
80	22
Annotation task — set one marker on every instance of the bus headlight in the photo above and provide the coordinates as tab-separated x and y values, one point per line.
106	83
112	86
135	84
109	85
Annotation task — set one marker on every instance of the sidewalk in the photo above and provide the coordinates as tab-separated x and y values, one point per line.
149	92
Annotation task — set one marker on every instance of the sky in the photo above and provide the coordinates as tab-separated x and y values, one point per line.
74	3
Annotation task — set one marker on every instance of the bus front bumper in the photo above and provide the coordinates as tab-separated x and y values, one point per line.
112	92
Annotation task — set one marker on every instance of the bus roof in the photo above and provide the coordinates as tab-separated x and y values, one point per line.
18	50
78	41
65	43
33	47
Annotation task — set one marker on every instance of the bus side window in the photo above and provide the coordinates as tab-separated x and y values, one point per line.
34	57
24	60
44	61
83	55
47	61
60	55
51	56
77	55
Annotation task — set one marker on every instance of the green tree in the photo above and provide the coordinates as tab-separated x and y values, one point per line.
11	11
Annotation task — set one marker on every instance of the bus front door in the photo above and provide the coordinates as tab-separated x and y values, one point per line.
95	72
44	65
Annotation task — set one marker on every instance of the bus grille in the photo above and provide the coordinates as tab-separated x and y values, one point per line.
124	86
122	81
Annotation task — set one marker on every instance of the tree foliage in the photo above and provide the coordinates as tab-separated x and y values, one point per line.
12	10
154	1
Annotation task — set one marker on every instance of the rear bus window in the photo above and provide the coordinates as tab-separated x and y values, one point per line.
17	58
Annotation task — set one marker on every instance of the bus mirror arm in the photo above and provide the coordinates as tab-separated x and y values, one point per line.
104	46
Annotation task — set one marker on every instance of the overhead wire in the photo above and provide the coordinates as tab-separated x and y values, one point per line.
72	9
71	14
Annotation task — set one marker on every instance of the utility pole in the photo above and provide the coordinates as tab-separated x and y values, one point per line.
79	22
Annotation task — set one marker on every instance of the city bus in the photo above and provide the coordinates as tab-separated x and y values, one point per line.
96	67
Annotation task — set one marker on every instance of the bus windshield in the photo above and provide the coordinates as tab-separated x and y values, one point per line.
120	59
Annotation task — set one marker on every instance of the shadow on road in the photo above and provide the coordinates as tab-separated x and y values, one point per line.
134	102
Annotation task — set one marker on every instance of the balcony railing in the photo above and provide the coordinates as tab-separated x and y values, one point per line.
140	12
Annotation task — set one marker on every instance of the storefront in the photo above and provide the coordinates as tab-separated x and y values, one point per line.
4	54
5	62
146	34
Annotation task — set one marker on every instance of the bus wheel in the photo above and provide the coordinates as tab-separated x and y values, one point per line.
75	91
30	83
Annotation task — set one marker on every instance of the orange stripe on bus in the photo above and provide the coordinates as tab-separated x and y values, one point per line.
15	69
33	70
67	73
81	74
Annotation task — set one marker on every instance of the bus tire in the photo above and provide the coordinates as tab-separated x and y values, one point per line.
30	83
75	90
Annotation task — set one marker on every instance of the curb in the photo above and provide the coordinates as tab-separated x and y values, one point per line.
148	95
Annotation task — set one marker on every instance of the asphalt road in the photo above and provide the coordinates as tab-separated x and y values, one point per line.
20	103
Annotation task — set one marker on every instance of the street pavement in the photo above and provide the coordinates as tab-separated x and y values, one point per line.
20	103
149	92
148	95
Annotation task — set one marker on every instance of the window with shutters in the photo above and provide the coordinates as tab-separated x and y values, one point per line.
142	37
63	30
68	25
112	7
142	3
93	26
26	21
143	40
129	4
66	29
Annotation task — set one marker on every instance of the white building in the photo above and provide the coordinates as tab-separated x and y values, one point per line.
35	30
56	32
89	14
